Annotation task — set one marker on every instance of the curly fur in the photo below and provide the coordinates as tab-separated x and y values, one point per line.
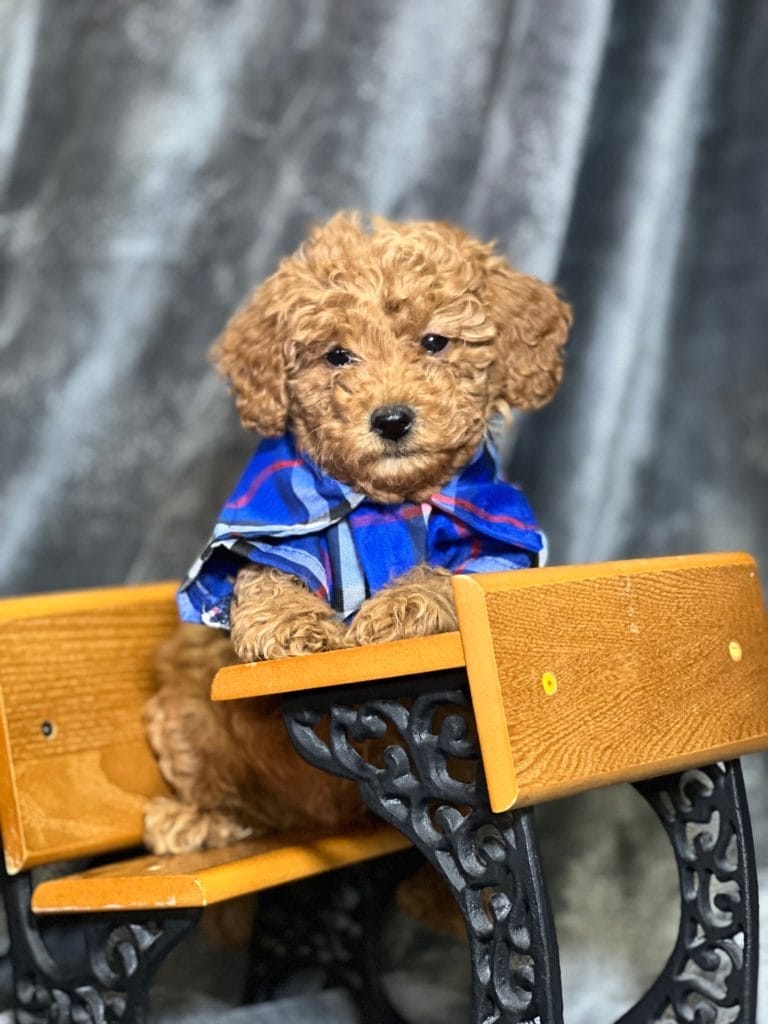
374	291
376	294
217	758
275	616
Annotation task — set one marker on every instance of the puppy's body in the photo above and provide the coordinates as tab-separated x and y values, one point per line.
383	354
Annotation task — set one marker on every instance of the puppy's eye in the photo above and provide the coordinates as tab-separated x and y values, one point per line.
339	357
434	343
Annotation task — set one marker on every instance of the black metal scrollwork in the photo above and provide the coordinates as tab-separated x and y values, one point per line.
329	929
711	976
418	766
89	969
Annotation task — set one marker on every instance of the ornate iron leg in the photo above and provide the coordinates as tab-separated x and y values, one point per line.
91	968
329	926
418	766
711	976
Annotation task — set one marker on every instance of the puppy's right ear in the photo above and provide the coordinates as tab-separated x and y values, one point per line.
250	354
532	324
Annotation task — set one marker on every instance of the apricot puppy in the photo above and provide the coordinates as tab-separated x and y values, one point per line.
372	362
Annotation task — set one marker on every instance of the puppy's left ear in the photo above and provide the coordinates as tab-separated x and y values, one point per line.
250	355
532	325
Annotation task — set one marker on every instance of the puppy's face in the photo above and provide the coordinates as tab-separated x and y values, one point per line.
386	352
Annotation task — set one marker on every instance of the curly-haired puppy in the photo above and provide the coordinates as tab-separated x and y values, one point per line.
372	361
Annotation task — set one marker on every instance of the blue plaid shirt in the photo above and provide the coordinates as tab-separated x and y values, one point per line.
286	513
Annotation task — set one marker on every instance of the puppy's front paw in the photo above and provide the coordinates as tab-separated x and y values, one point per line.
275	616
171	826
420	603
281	637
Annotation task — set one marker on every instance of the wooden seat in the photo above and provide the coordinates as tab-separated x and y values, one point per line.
76	770
211	876
582	675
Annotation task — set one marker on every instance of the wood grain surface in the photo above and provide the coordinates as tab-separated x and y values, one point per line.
75	769
586	675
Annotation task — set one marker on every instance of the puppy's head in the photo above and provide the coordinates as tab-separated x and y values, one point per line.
387	350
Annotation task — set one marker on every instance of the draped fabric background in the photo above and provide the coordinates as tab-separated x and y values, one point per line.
157	158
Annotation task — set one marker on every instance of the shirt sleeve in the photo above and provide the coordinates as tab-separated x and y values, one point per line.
206	595
497	561
304	557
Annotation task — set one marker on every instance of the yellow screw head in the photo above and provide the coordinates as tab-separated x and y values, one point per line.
735	651
549	683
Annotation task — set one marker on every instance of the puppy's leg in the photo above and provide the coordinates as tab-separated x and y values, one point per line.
420	603
190	739
274	616
172	826
215	756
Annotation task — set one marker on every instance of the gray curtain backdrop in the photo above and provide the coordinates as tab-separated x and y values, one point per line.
157	158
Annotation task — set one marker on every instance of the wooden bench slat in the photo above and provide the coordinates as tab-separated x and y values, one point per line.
200	879
69	602
81	804
75	673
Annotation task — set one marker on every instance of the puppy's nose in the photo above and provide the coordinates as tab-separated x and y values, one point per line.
392	421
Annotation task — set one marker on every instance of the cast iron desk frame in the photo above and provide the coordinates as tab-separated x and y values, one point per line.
427	780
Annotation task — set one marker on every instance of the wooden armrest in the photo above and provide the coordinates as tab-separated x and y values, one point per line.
340	668
582	675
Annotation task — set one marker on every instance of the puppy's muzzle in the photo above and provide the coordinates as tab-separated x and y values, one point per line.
392	422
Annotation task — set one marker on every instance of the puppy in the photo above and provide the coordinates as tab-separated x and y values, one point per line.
372	362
